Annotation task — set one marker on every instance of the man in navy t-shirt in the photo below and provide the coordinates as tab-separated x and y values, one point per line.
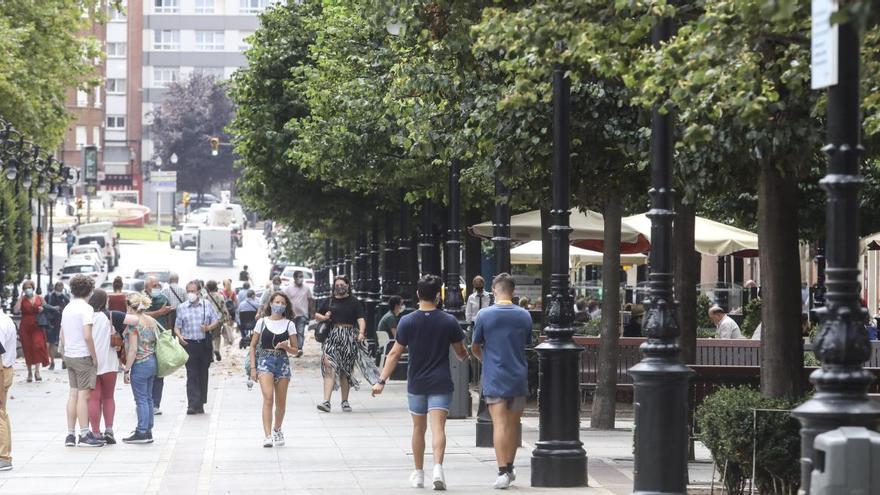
501	333
427	332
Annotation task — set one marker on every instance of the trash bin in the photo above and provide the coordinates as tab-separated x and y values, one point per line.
846	460
461	406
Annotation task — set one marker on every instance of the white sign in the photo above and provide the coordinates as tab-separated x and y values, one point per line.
164	181
824	51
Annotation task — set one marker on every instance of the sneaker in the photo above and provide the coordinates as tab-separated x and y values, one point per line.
90	440
217	356
299	353
150	436
502	482
278	438
109	439
5	465
324	406
439	479
138	437
267	442
157	411
346	407
512	472
70	441
417	478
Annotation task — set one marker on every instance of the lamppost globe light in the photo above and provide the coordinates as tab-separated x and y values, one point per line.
173	158
158	161
26	179
214	152
41	186
53	193
12	169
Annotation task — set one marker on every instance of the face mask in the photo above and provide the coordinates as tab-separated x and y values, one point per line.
278	309
340	290
59	292
192	297
298	281
29	292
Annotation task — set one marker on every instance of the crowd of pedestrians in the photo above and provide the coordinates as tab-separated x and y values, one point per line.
101	334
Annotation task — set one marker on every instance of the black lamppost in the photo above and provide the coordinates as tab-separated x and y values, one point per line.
53	197
660	380
404	258
360	263
348	262
559	458
842	345
389	265
372	286
819	291
427	240
501	253
338	263
453	303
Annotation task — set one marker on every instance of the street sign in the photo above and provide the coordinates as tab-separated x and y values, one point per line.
90	163
164	181
91	189
823	47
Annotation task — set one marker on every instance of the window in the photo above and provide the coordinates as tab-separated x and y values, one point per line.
81	136
165	76
115	14
216	72
209	40
96	136
245	43
82	98
166	39
252	6
116	50
165	6
115	122
204	6
97	94
115	86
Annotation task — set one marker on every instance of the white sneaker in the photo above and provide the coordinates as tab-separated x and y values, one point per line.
278	438
417	478
439	479
268	441
512	473
502	482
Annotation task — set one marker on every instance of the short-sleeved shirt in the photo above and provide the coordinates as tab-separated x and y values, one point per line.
8	338
428	335
108	362
299	298
344	311
146	341
388	321
191	317
76	315
504	330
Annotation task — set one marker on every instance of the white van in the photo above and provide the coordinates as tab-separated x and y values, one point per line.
215	245
228	215
103	234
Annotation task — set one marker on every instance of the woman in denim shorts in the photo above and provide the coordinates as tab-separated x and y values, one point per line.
272	340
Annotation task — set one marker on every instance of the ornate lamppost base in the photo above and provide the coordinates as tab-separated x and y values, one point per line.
559	469
660	402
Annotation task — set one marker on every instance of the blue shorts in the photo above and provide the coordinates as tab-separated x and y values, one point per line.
276	363
420	404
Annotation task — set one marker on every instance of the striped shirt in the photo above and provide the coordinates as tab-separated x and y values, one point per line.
191	317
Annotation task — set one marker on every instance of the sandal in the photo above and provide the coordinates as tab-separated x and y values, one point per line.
38	378
30	378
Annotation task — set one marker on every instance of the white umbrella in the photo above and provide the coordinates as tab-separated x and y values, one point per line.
530	254
587	225
710	237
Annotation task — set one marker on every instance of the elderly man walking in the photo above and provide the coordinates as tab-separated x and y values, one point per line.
303	303
196	319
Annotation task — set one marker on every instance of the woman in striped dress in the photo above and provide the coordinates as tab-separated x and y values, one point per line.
344	347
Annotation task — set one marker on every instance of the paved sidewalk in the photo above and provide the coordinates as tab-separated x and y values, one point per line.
366	451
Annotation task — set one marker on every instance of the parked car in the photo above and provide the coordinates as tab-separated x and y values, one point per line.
198	216
185	235
104	235
92	249
129	285
82	265
287	275
163	275
277	267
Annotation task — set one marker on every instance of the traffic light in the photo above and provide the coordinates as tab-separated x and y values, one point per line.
185	199
215	146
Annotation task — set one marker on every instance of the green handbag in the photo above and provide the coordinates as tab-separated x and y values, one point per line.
170	355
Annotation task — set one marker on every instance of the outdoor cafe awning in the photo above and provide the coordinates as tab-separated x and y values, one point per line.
530	254
710	237
870	242
587	231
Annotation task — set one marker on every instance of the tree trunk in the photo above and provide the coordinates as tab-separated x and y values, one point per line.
687	276
546	254
605	399
782	356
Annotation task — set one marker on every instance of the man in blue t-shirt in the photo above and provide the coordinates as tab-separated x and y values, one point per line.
427	332
501	333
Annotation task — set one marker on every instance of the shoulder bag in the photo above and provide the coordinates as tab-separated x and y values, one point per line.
247	356
322	330
170	355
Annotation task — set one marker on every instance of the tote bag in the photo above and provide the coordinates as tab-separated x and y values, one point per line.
170	355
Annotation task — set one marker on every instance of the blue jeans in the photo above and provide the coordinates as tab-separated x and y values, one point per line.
301	322
142	376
